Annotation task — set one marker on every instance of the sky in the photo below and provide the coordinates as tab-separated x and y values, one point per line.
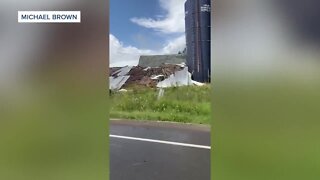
145	27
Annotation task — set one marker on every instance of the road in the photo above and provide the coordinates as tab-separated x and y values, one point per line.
159	151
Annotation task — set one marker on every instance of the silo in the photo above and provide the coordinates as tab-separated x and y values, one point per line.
197	22
205	38
190	34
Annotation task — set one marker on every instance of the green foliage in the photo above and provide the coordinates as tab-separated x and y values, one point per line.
181	104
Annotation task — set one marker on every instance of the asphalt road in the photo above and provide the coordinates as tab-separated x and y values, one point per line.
159	151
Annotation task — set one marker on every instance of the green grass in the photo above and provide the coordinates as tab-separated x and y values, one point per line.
181	104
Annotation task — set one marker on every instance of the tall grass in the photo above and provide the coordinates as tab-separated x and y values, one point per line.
188	104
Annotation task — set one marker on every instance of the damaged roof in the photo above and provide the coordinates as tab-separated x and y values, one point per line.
158	60
166	75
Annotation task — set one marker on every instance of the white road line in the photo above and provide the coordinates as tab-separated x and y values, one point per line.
160	141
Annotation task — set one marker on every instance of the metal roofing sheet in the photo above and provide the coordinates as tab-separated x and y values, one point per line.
115	83
158	60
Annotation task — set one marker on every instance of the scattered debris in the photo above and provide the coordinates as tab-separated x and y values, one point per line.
122	71
166	75
115	83
157	77
123	90
161	93
179	78
197	83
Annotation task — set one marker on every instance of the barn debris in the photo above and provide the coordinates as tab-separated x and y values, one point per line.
163	76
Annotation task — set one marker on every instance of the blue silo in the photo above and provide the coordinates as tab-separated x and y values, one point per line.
198	38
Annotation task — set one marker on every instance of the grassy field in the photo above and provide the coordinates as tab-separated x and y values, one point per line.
181	104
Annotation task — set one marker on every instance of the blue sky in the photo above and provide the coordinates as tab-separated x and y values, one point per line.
139	27
121	11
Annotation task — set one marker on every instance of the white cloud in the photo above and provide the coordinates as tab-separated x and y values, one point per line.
121	55
175	45
173	21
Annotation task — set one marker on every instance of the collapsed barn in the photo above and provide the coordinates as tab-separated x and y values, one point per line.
165	73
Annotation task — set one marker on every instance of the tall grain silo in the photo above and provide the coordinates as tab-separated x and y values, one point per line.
198	38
